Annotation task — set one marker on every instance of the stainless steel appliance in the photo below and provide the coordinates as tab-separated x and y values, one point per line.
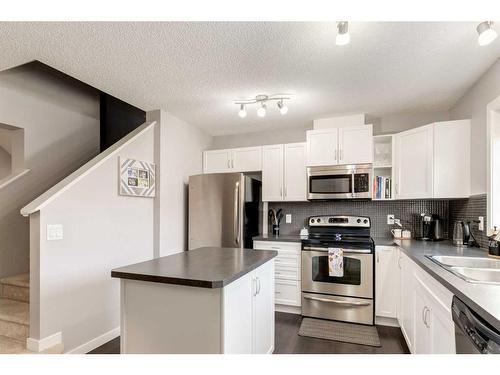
432	228
348	298
473	335
462	234
223	210
340	182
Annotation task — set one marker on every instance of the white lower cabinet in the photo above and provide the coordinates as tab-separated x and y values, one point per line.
248	314
386	282
424	310
287	274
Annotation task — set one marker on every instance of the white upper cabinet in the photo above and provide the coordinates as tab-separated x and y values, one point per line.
433	161
345	145
452	159
284	172
414	163
322	147
272	173
356	145
295	180
245	159
217	161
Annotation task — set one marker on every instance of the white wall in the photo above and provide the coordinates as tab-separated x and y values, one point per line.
473	105
381	125
5	163
102	230
61	126
181	147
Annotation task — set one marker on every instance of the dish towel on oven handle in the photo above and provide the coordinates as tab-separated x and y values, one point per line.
335	262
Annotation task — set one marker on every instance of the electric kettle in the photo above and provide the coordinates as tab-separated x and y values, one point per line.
462	235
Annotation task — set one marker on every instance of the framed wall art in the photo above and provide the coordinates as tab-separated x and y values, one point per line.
137	178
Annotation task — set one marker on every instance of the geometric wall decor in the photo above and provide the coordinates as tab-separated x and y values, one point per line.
137	178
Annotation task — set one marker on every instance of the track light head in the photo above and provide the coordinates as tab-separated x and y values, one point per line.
486	33
242	112
343	36
261	112
283	108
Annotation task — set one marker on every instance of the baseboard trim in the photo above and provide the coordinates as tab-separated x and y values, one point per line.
288	309
96	342
38	346
383	321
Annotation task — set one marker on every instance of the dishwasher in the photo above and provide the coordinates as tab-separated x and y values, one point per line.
473	335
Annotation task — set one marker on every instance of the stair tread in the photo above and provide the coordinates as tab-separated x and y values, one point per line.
21	280
12	346
14	311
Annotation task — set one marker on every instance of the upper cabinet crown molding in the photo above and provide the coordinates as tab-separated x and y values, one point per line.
345	145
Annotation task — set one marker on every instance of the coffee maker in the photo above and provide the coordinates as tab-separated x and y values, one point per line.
431	227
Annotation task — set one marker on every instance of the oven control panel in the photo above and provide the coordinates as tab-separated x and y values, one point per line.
340	221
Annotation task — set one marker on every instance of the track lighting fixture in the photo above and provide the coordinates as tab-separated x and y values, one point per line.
262	101
343	36
242	112
486	33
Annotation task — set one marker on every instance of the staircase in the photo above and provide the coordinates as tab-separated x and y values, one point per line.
14	314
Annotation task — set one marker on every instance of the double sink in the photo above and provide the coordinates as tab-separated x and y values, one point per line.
473	270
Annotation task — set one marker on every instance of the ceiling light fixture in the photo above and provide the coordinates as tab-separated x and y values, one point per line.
261	112
242	112
343	36
262	101
486	33
283	108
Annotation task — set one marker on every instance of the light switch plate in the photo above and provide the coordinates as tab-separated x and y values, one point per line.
390	219
288	218
54	232
481	223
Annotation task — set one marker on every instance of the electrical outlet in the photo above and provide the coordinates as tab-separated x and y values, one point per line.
390	219
481	223
288	218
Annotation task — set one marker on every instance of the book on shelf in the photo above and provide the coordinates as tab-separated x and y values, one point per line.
382	187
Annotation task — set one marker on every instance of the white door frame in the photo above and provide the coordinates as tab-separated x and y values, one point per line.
493	119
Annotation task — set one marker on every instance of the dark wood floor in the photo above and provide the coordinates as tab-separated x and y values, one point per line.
289	342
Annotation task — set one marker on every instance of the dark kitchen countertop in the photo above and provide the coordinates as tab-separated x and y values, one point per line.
484	299
206	267
284	238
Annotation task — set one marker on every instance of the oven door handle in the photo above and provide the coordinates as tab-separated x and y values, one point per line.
347	251
337	301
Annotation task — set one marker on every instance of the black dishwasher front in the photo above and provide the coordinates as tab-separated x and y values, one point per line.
473	335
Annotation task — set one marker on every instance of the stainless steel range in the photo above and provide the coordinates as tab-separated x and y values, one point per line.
349	297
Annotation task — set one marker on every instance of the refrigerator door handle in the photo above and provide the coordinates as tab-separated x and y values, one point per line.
237	212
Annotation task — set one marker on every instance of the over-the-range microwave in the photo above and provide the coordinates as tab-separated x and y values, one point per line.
340	182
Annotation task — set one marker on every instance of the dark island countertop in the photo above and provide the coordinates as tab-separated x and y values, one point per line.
206	267
484	299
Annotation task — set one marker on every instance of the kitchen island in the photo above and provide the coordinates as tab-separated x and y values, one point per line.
207	300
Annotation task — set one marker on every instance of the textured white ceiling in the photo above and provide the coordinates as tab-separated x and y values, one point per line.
196	70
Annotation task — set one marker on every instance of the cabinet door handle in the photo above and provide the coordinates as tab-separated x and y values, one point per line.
258	285
335	155
281	192
378	258
232	163
427	324
399	262
341	154
229	163
423	315
284	191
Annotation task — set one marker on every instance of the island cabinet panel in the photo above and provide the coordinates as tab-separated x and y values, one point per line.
263	309
164	318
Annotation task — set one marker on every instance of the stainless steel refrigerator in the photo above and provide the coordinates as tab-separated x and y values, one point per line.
223	210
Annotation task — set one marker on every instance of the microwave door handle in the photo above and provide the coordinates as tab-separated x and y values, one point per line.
352	185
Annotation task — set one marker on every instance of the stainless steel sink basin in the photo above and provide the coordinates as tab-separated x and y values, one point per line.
470	262
471	269
482	275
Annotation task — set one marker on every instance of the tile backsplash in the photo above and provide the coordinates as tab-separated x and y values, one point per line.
407	210
467	210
